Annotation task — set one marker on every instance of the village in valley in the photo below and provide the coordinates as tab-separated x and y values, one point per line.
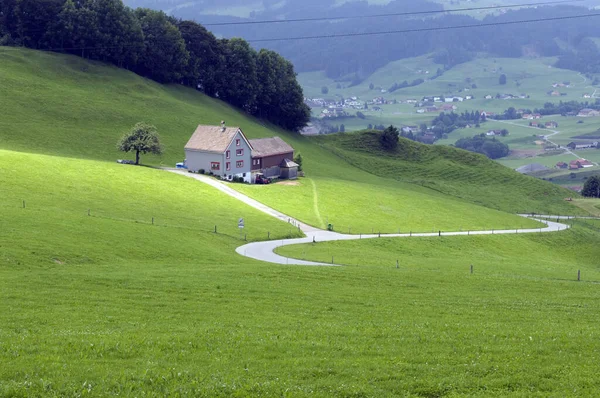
505	103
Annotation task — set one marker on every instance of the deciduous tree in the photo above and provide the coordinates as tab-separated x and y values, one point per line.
142	138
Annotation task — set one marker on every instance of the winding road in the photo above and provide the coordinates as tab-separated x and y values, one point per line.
264	251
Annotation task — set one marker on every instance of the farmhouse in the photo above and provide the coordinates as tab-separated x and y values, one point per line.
494	132
551	124
561	165
220	150
273	158
582	145
579	164
588	113
227	153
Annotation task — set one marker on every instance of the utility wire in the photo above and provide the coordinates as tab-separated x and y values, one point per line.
390	14
333	36
480	25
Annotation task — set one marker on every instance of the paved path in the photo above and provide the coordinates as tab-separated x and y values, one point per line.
264	251
249	201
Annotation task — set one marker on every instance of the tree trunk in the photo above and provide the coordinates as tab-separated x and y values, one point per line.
137	157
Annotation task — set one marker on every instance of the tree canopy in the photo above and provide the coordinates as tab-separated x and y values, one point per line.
490	147
162	48
389	138
142	138
591	188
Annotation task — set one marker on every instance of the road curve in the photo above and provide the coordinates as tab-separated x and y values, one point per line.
264	251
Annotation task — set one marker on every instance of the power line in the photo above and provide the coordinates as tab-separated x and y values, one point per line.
480	25
390	14
333	36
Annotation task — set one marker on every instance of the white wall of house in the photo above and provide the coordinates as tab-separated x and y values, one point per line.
196	160
245	157
207	161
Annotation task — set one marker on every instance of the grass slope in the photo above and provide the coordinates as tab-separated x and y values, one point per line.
66	106
454	173
110	304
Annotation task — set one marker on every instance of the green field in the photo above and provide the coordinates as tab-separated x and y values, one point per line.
113	281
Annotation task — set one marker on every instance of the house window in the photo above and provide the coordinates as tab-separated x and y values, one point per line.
239	152
256	162
228	154
237	142
215	165
239	164
228	166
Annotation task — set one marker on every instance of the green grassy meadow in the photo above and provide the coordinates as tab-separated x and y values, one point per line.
142	298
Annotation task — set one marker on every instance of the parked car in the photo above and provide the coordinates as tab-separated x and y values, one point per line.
261	179
180	165
125	161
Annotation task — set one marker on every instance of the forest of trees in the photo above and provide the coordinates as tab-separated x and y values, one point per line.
162	48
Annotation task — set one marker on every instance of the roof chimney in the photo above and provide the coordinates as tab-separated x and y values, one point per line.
222	125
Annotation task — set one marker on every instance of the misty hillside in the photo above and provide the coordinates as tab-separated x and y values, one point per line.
344	57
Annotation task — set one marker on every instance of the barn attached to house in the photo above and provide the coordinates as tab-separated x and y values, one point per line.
271	156
220	150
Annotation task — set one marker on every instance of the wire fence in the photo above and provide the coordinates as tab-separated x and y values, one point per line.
230	227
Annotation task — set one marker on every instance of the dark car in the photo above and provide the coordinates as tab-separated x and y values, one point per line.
261	179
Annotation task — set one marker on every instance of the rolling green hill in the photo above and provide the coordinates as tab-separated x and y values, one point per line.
452	172
65	106
141	297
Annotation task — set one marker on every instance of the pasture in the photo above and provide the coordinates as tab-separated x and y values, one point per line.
114	282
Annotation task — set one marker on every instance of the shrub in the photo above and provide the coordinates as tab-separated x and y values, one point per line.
201	171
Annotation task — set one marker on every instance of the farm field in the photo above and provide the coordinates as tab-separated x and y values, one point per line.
141	297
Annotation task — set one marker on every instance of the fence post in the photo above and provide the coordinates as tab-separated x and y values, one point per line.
578	275
331	259
215	229
23	204
88	212
440	233
268	234
397	264
152	220
471	268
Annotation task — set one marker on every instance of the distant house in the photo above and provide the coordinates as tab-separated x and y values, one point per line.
431	109
270	156
537	116
534	124
527	116
494	132
579	164
587	95
588	112
220	150
227	153
582	145
551	124
561	165
488	96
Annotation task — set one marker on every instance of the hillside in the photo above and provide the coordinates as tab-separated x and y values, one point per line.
451	172
64	106
113	281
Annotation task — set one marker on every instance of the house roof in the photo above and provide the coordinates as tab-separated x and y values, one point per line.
286	163
262	147
212	138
